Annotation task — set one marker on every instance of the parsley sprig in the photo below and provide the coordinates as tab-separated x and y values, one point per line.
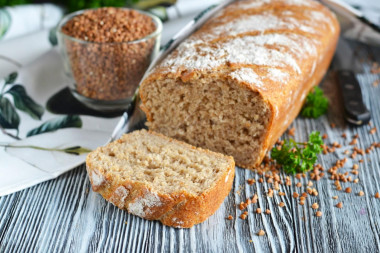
316	104
297	159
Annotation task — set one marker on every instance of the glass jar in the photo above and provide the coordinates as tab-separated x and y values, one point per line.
105	75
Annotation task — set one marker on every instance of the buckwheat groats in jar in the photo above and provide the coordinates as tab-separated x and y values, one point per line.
108	51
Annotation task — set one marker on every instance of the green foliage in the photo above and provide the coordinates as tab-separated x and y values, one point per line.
53	36
13	2
74	5
295	159
316	104
11	78
76	150
9	119
57	123
25	103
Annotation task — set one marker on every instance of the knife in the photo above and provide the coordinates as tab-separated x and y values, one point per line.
355	111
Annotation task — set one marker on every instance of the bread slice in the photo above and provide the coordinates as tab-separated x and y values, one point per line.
158	178
236	84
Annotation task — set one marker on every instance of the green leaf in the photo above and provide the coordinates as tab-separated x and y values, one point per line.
77	150
25	103
57	123
316	104
300	160
53	36
9	118
11	78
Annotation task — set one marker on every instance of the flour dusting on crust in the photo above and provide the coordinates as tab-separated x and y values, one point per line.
278	75
119	195
96	179
259	3
238	50
268	39
177	223
246	75
142	205
259	23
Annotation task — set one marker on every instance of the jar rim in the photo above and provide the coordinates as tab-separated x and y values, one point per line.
69	16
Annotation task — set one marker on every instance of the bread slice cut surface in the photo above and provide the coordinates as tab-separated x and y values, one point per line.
159	178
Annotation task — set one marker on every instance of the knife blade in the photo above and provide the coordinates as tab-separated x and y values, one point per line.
355	111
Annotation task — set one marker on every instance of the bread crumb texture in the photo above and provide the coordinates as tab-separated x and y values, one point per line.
155	177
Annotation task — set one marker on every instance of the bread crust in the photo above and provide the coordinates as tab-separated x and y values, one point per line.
178	209
308	20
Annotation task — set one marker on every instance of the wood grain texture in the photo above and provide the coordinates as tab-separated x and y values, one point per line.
65	215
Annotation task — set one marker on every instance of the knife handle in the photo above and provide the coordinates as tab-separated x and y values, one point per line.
355	111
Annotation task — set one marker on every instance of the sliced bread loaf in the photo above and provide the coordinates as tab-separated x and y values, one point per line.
158	178
236	84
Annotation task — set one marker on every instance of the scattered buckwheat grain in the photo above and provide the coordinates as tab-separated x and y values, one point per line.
261	233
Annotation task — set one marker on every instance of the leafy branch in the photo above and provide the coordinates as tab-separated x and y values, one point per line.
9	117
57	123
75	150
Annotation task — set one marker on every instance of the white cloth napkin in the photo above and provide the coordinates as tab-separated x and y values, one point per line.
25	19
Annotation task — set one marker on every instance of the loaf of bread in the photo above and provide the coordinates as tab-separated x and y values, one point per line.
158	178
236	84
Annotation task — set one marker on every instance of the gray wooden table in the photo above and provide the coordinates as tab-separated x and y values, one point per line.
65	215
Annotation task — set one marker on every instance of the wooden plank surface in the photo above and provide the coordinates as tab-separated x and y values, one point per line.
65	215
